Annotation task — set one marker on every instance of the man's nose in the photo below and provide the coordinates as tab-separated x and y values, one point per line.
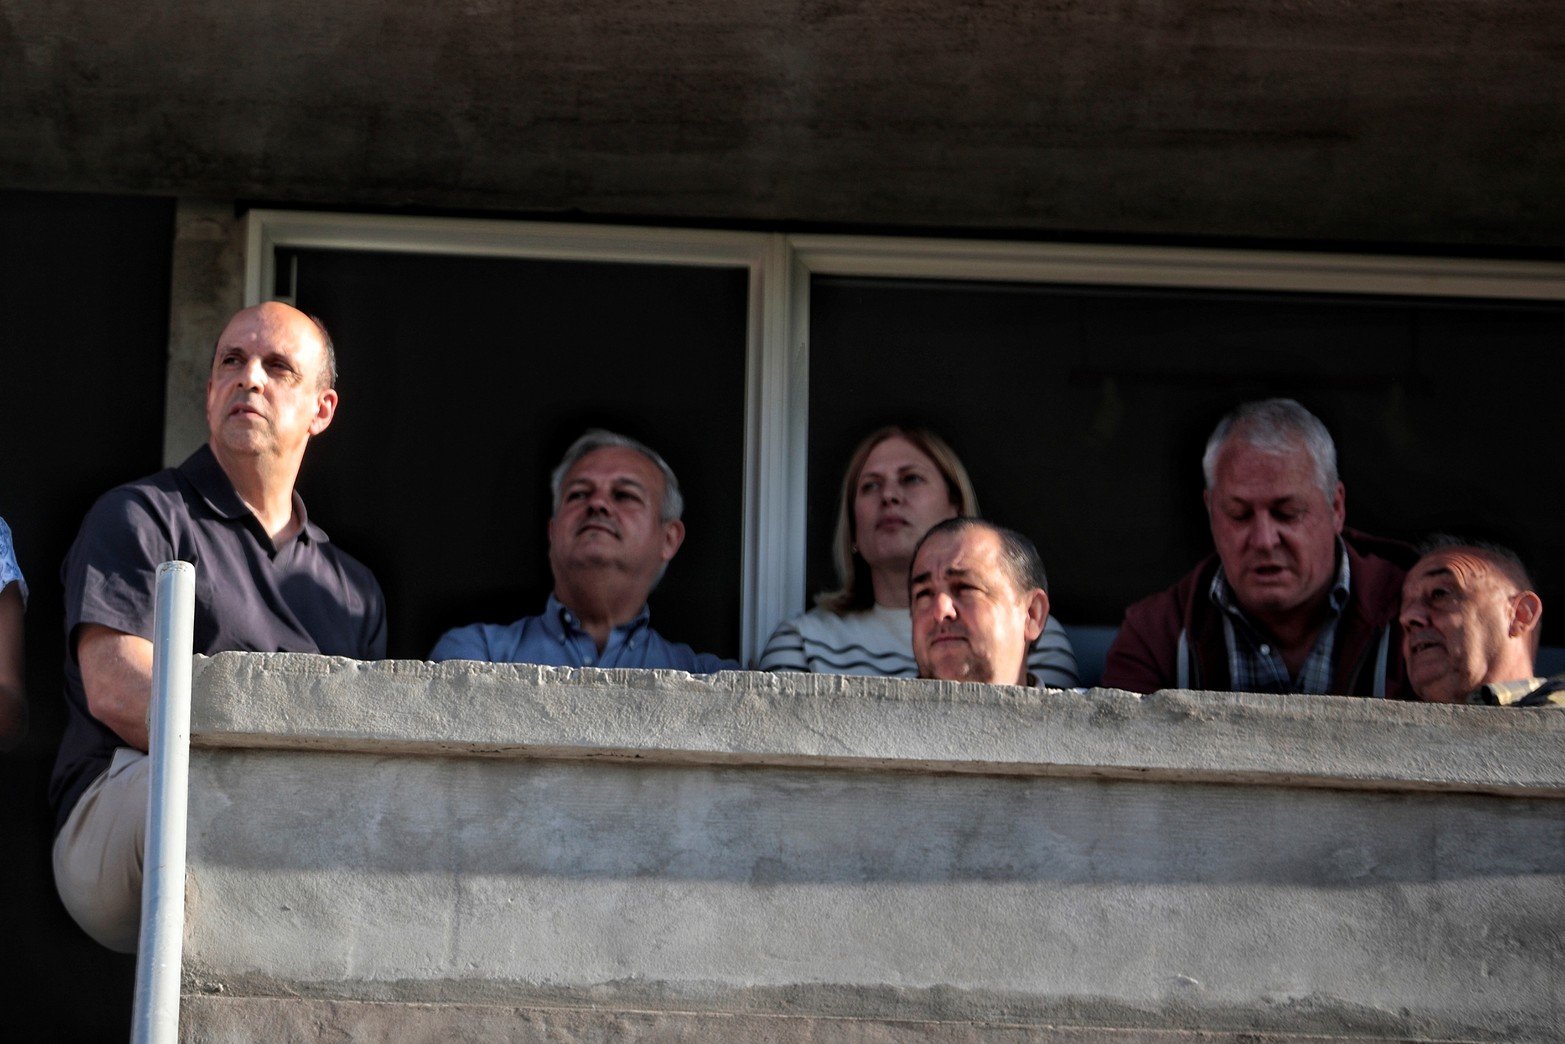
945	607
1413	615
1263	530
252	374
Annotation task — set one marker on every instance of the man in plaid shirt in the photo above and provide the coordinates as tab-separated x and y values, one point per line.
1470	626
1292	600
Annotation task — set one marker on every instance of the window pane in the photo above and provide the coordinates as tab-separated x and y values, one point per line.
1082	411
464	380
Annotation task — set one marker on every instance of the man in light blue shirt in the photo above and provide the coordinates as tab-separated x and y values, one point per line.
616	526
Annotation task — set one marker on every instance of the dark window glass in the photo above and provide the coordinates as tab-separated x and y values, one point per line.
463	380
84	293
1081	412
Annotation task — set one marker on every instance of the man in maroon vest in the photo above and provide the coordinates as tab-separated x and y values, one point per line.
1292	601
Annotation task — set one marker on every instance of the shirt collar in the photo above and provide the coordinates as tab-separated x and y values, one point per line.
559	621
207	477
1504	693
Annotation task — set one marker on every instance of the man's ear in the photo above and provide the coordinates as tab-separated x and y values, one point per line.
1037	614
1339	507
325	410
1526	613
673	536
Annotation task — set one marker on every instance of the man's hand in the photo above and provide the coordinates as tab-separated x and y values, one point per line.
117	676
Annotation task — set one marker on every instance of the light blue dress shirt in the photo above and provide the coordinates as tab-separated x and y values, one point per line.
556	639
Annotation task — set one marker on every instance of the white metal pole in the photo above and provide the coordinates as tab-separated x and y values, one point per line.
156	1016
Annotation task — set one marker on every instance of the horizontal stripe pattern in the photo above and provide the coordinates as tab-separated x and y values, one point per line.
879	642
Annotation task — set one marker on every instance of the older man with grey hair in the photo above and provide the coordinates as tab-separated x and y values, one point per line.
1470	626
1292	601
616	525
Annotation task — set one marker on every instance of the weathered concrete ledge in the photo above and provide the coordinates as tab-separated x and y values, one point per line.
291	701
470	852
240	1020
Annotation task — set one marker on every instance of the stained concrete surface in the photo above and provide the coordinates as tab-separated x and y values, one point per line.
1347	120
206	289
354	844
288	700
217	1020
1191	906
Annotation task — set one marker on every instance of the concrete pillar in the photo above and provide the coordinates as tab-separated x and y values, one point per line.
207	288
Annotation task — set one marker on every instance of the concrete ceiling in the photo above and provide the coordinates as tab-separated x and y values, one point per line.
1385	122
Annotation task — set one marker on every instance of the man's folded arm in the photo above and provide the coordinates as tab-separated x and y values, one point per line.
117	678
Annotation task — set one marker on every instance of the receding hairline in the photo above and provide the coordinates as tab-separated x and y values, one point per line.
1297	450
327	377
1017	554
1276	427
569	478
1501	561
672	506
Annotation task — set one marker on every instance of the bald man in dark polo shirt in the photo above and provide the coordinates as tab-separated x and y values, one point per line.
267	580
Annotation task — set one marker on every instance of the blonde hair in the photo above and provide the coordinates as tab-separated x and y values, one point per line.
855	591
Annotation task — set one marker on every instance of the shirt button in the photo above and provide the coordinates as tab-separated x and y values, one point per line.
589	661
1266	650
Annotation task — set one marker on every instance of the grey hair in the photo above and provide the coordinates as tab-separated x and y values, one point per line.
1018	555
595	439
1276	426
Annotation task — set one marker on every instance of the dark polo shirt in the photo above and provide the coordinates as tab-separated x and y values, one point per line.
302	596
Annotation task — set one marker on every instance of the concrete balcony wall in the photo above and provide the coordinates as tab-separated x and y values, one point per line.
474	852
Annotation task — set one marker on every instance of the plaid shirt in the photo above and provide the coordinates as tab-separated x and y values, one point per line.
1254	664
1524	693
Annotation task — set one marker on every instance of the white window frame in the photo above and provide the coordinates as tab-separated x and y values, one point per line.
777	328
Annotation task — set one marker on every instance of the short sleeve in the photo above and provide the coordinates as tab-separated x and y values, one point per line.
110	574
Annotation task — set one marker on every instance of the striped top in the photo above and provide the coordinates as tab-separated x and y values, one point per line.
879	641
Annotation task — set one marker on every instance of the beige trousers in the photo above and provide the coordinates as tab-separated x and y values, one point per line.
97	857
